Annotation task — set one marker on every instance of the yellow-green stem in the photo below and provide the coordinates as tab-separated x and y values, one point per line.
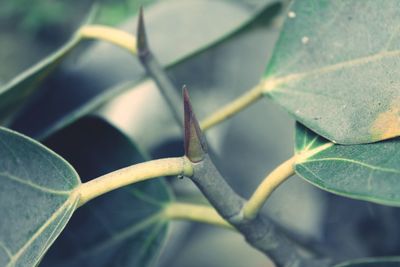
194	212
232	108
112	35
133	174
264	190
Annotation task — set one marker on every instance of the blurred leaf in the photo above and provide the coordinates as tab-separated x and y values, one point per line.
34	17
16	91
336	69
36	198
369	171
120	228
76	92
372	262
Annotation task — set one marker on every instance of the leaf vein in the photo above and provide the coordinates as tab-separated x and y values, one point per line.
53	217
366	165
33	185
6	249
276	81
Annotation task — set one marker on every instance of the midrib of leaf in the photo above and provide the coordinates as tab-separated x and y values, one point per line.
33	185
271	83
363	164
72	201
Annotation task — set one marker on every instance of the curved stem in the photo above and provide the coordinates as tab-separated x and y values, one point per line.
112	35
232	108
133	174
196	213
264	190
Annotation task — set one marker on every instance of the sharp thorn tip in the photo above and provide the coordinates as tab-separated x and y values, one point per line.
195	144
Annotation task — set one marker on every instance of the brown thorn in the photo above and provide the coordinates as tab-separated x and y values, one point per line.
195	142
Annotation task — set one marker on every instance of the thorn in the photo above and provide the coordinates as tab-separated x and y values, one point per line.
141	45
195	142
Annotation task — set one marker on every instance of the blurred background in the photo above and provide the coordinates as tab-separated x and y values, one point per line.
245	148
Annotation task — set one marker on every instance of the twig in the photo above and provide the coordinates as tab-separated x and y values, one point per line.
258	231
156	71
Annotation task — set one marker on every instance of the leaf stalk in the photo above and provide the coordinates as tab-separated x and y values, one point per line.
109	34
196	213
267	186
133	174
233	107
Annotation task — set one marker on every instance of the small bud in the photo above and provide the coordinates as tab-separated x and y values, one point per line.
195	143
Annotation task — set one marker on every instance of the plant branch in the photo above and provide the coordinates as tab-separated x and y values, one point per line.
156	71
133	174
112	35
258	231
232	108
194	212
264	190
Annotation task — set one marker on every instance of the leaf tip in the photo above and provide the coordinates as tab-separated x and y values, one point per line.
195	143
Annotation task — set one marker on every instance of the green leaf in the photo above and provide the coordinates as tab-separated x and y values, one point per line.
15	92
36	198
372	262
335	69
68	103
120	228
368	171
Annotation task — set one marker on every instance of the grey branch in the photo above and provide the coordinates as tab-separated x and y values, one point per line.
259	232
157	73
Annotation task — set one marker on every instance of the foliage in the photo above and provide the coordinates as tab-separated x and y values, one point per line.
316	76
334	70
